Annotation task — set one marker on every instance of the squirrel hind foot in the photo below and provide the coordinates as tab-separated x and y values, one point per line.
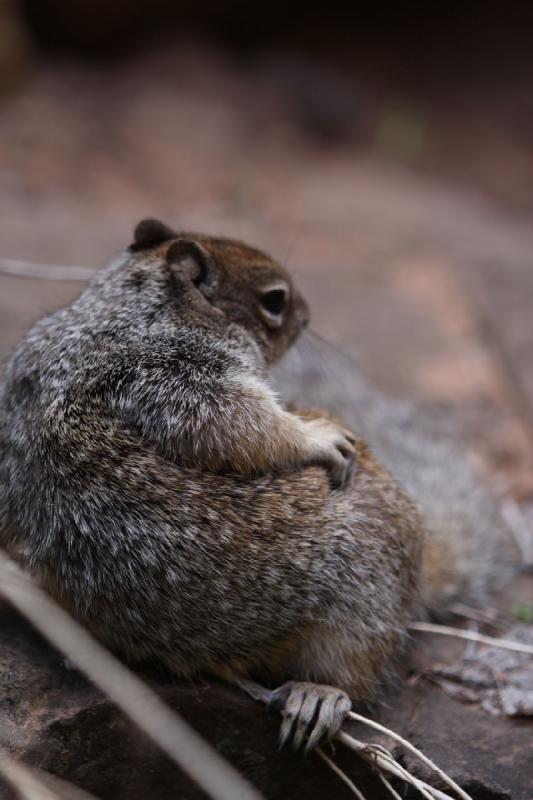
312	713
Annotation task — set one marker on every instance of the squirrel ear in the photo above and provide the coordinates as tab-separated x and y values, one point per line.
151	232
188	260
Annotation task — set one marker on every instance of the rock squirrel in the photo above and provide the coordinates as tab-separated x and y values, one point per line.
153	482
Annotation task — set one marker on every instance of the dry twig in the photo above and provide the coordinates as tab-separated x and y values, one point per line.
50	272
389	787
418	753
520	528
379	758
342	775
472	636
34	784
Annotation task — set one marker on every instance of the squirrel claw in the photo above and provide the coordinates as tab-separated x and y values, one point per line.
310	711
334	448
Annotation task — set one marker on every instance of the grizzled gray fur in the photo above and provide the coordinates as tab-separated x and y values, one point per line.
153	482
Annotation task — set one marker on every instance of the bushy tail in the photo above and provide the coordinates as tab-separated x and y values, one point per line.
469	549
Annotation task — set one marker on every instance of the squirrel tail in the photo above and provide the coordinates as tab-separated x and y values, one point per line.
469	549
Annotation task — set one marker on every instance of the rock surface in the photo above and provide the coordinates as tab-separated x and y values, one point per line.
55	720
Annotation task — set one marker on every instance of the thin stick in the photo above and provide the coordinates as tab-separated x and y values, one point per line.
517	522
472	636
36	784
342	775
172	734
422	787
378	756
50	272
436	793
388	786
23	781
427	761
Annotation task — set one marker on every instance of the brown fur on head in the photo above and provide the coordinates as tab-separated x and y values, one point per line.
237	283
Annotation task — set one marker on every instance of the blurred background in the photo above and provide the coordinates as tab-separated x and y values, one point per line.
385	155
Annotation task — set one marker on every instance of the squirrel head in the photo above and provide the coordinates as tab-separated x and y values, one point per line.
215	281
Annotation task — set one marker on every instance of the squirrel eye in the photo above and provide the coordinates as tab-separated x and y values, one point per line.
274	301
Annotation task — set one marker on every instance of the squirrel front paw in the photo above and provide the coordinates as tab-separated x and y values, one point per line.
333	447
